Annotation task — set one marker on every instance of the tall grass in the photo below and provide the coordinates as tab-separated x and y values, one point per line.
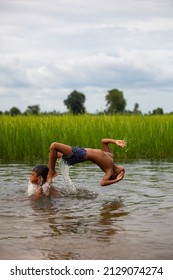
27	138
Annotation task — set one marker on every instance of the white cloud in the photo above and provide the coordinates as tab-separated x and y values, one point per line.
49	49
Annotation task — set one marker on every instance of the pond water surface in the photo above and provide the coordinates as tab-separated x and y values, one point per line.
129	220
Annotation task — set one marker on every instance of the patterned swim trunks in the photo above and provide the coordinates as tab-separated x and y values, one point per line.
78	156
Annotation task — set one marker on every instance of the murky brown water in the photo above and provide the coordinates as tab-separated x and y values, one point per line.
130	220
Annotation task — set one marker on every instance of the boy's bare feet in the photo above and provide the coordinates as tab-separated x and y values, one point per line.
50	176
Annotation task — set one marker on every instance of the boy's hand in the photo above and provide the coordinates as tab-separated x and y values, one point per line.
120	176
121	143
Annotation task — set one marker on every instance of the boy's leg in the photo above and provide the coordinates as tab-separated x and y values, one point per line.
54	148
51	164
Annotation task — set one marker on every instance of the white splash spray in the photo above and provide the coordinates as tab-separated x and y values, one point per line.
68	184
31	189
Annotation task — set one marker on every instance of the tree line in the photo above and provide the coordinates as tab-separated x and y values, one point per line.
115	104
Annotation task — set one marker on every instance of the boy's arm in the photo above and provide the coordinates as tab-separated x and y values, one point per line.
106	141
105	181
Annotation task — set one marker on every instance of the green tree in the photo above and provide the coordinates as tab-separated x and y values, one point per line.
115	101
136	109
75	102
32	110
14	111
158	111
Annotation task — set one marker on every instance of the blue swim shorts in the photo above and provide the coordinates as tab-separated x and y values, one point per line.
76	157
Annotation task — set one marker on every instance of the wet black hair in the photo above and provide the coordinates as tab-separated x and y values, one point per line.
42	170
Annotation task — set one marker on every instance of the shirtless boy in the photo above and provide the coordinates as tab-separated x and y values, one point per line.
102	157
41	187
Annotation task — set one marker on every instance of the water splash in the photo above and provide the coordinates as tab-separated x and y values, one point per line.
68	184
31	188
128	142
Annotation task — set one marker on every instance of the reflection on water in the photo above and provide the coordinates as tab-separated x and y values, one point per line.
129	220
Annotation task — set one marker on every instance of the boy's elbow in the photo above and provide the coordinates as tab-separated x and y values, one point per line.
103	141
104	183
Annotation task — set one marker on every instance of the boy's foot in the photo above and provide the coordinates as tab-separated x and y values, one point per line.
50	176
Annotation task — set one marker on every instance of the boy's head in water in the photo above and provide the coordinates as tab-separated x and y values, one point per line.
38	185
39	174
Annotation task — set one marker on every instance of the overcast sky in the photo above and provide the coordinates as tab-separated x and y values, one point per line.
48	48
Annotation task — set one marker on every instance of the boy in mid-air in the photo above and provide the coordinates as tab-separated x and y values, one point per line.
102	157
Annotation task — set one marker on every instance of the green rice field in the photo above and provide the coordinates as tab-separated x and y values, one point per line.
27	138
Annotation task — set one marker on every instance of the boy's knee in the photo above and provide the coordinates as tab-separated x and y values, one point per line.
53	146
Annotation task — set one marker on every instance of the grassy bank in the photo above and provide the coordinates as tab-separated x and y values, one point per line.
27	138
